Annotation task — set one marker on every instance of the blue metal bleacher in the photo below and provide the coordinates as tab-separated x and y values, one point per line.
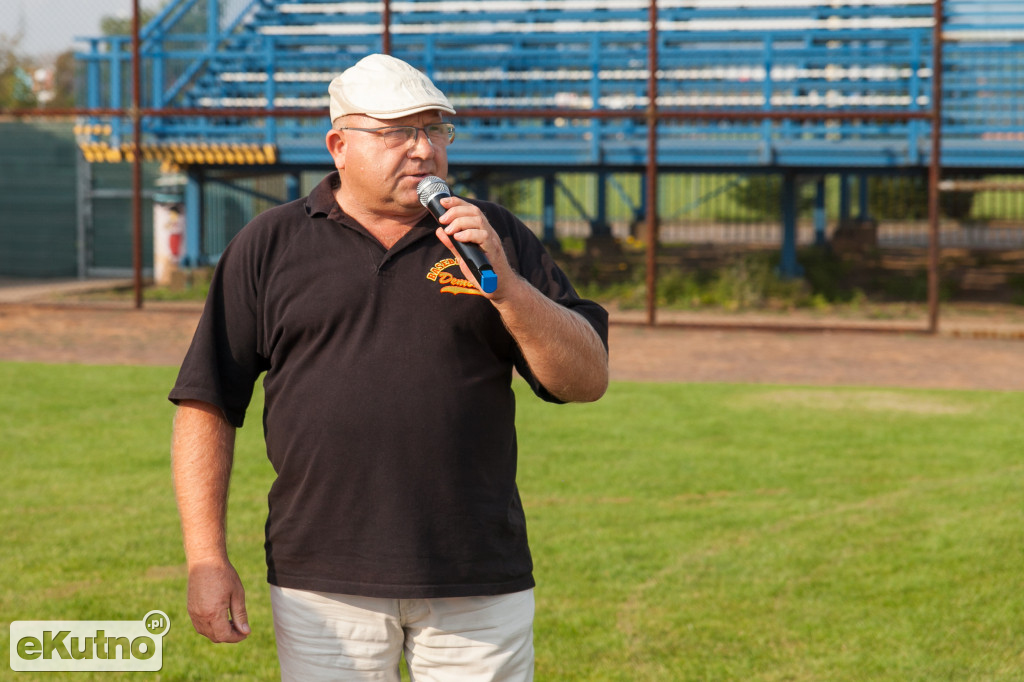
722	55
553	58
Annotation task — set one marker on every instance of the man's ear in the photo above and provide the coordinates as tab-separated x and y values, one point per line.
336	147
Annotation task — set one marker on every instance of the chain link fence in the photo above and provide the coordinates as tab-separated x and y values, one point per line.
62	216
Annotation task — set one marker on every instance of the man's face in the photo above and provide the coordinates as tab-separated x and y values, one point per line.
382	180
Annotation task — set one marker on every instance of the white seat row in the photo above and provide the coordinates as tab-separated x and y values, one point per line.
621	101
451	6
350	28
779	74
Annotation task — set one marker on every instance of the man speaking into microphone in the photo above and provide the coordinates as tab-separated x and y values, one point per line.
395	525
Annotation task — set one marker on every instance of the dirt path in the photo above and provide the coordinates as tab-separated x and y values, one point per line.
160	334
817	358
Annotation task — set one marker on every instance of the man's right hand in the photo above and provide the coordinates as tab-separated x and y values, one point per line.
216	602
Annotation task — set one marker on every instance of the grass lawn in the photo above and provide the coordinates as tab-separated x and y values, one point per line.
680	532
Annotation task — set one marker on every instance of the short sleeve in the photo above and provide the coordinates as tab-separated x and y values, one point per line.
223	360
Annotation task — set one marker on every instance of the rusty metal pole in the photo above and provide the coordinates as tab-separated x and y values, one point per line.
136	118
385	37
934	172
652	166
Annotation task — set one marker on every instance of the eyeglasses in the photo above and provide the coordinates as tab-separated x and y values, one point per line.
396	137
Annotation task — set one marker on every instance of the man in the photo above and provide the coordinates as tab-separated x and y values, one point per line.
394	521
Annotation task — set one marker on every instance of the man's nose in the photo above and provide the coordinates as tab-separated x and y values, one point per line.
422	146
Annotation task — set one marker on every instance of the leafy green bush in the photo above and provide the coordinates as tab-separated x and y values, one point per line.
747	282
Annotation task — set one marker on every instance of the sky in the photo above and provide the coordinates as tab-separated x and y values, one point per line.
50	26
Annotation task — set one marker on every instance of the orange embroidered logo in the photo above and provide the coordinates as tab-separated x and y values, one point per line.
451	283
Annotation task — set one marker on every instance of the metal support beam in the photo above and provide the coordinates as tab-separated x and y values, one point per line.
193	255
935	172
652	165
293	186
549	236
84	212
789	268
863	199
641	209
136	118
599	226
575	202
819	212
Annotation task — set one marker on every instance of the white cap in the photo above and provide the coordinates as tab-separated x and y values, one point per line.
384	87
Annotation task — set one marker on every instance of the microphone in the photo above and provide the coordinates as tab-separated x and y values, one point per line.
431	190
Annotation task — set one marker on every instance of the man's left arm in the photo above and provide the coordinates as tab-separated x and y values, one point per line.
564	352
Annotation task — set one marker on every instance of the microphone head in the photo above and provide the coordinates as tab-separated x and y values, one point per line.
430	187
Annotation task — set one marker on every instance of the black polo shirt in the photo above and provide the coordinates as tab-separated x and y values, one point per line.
389	417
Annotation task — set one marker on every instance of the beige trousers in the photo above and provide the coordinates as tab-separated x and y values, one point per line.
322	636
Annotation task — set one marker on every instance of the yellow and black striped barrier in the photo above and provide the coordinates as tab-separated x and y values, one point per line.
93	129
183	154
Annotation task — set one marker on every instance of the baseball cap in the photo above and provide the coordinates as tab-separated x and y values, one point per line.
384	87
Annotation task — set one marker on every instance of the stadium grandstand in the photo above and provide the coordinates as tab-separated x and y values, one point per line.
237	88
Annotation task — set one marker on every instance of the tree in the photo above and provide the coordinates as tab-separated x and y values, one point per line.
192	22
122	26
15	79
64	73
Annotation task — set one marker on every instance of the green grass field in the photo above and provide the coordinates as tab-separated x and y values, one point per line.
680	532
